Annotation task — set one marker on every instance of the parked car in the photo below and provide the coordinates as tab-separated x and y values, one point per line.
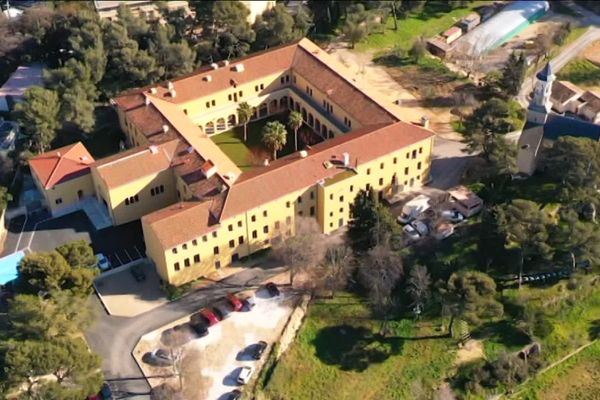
208	315
249	302
200	326
420	227
103	262
235	302
158	358
259	349
106	392
453	216
138	273
245	375
411	232
222	310
272	289
235	394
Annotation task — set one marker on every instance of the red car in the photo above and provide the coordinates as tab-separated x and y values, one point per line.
235	302
209	316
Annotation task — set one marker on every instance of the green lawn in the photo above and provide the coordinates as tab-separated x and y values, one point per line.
581	72
435	18
338	354
253	153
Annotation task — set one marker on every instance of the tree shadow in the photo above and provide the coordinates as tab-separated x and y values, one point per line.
354	348
594	330
502	332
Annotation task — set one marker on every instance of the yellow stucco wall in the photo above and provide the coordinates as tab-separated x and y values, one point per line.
66	193
256	229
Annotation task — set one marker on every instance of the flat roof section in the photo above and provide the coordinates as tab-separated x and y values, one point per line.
22	79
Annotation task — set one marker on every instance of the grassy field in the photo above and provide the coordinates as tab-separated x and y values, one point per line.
435	18
581	72
338	354
253	153
578	378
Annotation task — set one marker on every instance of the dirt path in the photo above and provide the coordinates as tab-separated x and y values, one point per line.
471	351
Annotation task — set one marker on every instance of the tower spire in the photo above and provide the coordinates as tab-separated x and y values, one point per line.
540	105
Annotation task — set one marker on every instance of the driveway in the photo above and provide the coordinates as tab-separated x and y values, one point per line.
115	337
227	348
448	163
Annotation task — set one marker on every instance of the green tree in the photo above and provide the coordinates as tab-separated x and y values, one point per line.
354	32
78	253
274	27
5	198
536	323
230	20
274	136
371	224
470	296
244	114
418	50
513	74
573	161
502	156
88	47
38	116
302	21
418	286
173	58
295	122
524	226
76	369
579	239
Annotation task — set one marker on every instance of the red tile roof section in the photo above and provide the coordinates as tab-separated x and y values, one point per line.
60	165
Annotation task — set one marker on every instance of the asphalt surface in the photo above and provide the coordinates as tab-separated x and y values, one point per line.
448	163
115	337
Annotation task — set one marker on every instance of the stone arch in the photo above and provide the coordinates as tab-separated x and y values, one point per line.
273	107
311	119
283	102
221	124
323	131
231	121
304	113
317	125
291	103
209	128
263	110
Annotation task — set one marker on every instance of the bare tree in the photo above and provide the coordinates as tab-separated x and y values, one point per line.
304	250
379	273
467	57
418	287
335	271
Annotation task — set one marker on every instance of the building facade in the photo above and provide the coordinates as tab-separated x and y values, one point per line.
199	212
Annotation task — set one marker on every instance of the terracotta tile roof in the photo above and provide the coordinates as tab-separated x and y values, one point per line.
60	165
592	101
135	163
563	91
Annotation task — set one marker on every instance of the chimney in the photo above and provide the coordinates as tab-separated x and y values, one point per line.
225	63
303	153
214	66
170	85
238	68
165	128
346	158
147	100
208	78
266	163
425	122
172	92
153	149
153	90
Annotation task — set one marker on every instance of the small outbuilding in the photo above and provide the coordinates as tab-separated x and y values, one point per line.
452	34
469	22
22	79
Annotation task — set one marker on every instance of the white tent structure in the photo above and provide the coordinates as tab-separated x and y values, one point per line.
506	24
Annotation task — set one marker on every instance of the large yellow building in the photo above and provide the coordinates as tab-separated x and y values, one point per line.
199	211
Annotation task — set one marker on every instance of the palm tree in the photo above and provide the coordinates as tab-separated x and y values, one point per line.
244	112
295	121
274	136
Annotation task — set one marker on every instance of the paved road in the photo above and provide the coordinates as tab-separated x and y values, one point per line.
591	35
448	163
115	337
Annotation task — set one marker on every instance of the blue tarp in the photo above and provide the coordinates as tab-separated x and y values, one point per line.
8	267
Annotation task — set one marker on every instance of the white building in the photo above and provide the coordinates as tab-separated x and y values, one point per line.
22	79
257	8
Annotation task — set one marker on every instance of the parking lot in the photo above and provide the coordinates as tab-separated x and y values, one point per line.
227	347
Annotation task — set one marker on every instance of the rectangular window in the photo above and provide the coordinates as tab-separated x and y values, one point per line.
264	213
184	246
218	264
241	240
368	171
216	250
174	250
231	244
256	88
196	258
419	165
380	181
176	266
287	78
341	209
282	80
241	93
265	229
240	223
312	195
204	238
420	150
351	188
262	86
406	171
331	213
186	262
59	201
152	192
230	227
194	242
214	103
288	220
368	187
253	218
341	199
300	213
229	97
214	234
407	156
381	166
312	211
208	104
395	160
254	234
299	199
414	154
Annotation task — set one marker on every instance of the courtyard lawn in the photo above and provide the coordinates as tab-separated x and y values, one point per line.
339	354
253	153
435	18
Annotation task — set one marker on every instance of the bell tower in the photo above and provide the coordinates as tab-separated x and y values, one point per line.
540	105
